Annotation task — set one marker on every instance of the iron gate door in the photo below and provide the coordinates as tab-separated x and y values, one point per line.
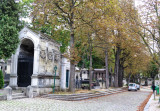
67	78
25	71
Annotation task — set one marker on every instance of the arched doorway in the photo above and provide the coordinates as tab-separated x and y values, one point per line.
25	63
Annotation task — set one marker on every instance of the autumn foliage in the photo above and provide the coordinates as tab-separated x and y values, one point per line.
106	27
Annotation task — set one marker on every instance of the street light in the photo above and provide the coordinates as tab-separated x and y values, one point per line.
55	69
159	87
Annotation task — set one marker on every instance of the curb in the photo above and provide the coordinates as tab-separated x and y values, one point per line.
143	104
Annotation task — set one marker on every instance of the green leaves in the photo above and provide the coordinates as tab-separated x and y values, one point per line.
62	36
1	80
152	69
9	28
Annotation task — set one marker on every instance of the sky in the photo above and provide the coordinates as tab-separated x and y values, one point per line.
138	2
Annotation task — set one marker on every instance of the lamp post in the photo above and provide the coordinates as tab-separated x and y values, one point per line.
55	69
159	87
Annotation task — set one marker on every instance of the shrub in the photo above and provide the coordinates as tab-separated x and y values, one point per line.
1	80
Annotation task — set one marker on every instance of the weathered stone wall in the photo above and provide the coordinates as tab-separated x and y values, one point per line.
49	58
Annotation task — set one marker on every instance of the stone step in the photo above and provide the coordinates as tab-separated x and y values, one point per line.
78	99
62	96
83	96
120	91
115	91
18	94
71	98
75	96
19	97
69	94
86	97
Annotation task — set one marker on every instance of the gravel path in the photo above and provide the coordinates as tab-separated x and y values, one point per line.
126	101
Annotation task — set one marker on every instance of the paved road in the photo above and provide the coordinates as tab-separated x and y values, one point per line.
126	101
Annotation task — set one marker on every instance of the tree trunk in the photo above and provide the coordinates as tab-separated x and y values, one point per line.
107	71
112	80
117	57
72	78
129	77
90	72
140	81
90	64
120	76
72	64
146	81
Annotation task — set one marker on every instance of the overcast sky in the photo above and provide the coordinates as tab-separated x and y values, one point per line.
138	2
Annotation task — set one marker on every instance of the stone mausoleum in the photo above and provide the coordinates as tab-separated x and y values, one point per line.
34	61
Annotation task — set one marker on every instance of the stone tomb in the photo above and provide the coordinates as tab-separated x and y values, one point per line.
34	61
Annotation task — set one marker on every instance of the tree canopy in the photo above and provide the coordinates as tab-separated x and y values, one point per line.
9	27
102	34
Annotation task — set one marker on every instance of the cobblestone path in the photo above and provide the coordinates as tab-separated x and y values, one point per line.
126	101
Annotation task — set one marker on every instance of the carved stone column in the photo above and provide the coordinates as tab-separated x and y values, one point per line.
63	75
13	75
35	67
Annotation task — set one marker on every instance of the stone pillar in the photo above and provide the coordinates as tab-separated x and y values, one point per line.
59	65
34	81
29	92
36	61
13	75
35	67
63	75
8	91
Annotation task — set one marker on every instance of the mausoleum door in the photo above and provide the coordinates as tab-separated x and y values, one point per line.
25	63
25	71
67	78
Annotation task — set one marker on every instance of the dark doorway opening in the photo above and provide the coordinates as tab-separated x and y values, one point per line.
25	63
67	78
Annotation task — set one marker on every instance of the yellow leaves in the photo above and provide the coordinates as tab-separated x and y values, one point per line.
109	23
138	59
73	55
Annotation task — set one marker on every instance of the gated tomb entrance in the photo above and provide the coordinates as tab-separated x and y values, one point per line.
25	63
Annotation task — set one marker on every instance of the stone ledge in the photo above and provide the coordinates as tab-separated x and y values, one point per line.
13	75
4	97
48	76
